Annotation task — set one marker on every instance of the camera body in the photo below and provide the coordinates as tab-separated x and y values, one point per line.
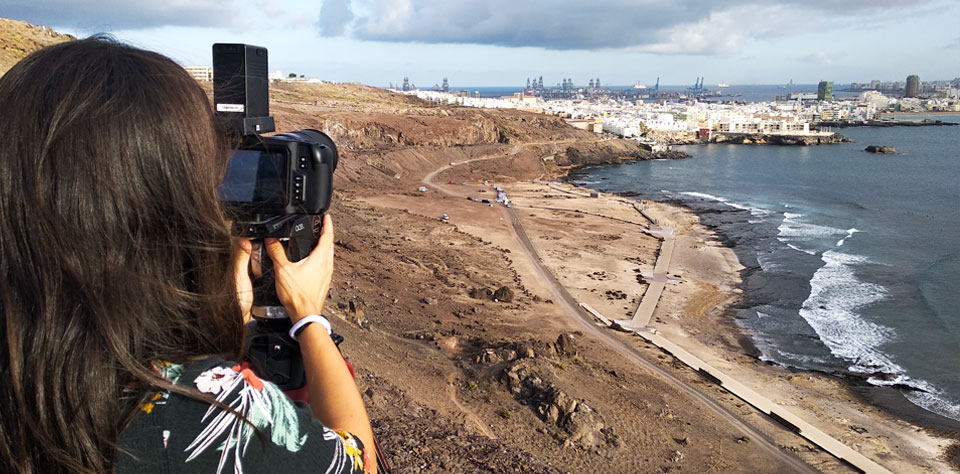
277	186
269	178
289	174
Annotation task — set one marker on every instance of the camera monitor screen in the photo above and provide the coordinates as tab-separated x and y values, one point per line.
255	179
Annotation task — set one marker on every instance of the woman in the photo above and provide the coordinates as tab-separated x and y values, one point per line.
118	299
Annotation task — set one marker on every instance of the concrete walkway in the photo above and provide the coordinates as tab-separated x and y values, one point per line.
656	282
783	416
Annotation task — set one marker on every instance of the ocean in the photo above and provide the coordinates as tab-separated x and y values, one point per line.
853	259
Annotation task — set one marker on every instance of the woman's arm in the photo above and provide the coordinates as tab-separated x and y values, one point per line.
302	288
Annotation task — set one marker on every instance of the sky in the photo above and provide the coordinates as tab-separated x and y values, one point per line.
504	42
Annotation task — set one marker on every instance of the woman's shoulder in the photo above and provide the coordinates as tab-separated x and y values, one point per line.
250	425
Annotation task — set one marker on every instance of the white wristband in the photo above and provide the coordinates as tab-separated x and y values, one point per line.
304	321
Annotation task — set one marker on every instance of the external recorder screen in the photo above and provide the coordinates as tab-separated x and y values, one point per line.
255	179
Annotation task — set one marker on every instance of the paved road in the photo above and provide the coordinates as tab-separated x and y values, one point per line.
789	462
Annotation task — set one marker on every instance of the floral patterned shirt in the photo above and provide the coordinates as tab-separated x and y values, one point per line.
177	434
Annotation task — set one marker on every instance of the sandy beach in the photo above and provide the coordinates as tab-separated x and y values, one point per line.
601	269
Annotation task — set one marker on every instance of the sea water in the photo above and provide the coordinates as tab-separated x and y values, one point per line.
853	259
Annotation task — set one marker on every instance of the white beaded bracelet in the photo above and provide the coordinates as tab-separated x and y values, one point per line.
304	321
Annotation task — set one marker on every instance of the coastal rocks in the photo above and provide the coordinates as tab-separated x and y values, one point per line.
670	155
889	123
610	152
784	140
881	149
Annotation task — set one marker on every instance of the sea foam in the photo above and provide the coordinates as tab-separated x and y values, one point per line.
754	211
836	295
800	235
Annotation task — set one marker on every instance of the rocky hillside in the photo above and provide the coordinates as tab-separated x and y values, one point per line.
363	118
18	39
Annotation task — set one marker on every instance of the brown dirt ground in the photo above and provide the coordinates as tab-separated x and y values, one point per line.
18	39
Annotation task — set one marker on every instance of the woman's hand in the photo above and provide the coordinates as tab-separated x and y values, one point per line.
303	286
242	275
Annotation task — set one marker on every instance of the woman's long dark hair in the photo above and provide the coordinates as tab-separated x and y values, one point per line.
114	250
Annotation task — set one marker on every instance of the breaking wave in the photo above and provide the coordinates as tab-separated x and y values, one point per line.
836	295
798	235
832	310
754	211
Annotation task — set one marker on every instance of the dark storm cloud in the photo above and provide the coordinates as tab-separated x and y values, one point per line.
680	26
120	14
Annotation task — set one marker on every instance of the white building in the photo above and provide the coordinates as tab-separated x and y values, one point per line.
200	73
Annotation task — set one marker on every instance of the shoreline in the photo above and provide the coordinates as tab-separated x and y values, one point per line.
910	114
888	398
600	250
889	401
867	418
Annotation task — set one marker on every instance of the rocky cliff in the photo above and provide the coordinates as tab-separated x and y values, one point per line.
610	152
789	140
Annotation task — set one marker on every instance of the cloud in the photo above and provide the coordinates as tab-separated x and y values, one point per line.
550	24
121	14
824	58
660	26
276	13
335	15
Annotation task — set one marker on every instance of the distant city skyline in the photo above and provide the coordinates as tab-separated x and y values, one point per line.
502	43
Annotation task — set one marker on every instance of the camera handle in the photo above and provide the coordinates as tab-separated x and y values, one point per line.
299	234
275	356
269	349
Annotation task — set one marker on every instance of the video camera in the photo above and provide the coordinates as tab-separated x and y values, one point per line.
277	186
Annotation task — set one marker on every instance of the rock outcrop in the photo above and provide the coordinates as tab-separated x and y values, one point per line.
581	424
787	140
881	149
504	294
611	152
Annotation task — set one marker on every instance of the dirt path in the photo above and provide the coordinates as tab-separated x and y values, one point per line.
452	394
